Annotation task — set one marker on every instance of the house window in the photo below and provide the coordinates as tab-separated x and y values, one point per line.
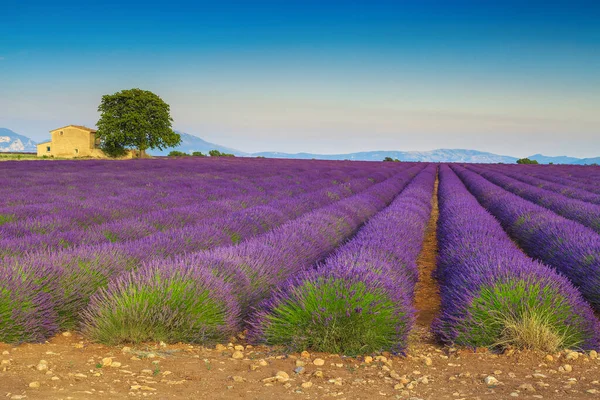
48	149
76	151
61	132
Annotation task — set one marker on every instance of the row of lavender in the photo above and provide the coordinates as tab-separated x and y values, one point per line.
60	283
493	295
111	207
585	213
564	244
206	296
84	269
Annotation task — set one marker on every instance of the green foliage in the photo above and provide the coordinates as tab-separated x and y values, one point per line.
173	309
177	153
526	161
6	218
390	159
316	317
198	154
521	315
217	153
135	118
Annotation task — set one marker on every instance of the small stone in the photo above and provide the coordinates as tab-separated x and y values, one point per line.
162	344
398	386
78	345
239	347
514	394
300	363
305	354
491	381
539	376
147	371
318	374
319	362
126	349
106	362
282	376
67	334
220	347
395	375
79	375
237	355
307	385
115	364
592	391
5	353
567	368
238	378
34	385
573	355
18	396
42	366
262	363
151	355
337	381
299	370
593	354
368	360
528	387
549	358
427	361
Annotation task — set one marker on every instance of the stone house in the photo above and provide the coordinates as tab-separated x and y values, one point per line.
71	141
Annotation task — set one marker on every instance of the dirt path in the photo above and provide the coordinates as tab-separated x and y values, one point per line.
427	297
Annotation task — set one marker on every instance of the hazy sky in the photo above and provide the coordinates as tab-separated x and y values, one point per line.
508	77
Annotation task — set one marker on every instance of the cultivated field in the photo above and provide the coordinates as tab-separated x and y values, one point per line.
258	278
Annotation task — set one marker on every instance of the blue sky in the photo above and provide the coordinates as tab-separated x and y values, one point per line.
509	77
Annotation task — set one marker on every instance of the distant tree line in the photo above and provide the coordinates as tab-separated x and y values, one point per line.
212	153
390	159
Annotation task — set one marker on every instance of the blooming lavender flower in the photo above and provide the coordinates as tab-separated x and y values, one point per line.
492	294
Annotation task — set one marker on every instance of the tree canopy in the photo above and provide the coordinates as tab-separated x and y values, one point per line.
526	161
137	119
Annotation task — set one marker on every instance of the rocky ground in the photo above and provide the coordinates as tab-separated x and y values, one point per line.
69	367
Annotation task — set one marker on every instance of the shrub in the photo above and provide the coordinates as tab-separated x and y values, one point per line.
171	304
198	154
338	310
526	161
177	153
26	307
217	153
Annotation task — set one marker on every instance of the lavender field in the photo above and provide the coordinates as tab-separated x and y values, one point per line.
318	255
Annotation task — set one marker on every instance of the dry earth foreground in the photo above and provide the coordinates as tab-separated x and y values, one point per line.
71	366
68	367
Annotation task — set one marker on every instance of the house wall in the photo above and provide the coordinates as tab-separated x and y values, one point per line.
71	142
42	149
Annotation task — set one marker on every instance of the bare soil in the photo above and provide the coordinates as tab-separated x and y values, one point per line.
69	367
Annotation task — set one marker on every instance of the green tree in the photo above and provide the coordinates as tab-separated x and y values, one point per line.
137	119
526	161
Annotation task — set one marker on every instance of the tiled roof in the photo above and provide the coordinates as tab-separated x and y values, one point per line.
84	128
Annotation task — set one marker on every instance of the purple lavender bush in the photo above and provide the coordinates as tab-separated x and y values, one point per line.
492	294
170	304
27	311
567	246
360	299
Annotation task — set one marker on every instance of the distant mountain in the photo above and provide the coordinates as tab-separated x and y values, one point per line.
439	155
11	141
542	159
191	143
